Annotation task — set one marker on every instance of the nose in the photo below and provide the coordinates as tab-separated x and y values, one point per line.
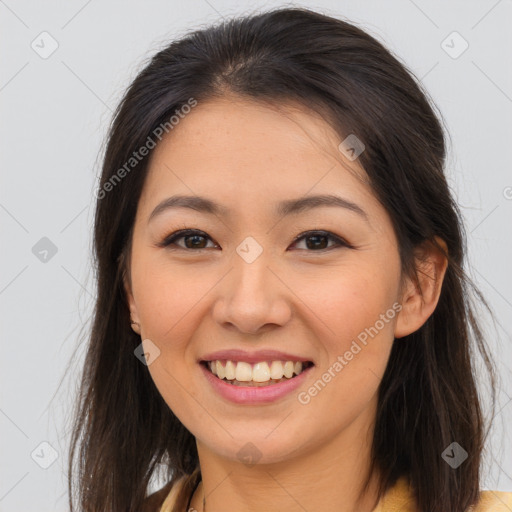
252	298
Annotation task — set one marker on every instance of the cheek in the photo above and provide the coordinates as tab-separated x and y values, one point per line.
354	353
168	298
351	305
356	323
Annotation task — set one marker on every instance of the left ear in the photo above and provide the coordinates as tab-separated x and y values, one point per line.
420	298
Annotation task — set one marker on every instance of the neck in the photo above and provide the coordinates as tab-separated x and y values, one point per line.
322	477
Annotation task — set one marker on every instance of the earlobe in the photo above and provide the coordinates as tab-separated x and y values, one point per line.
421	297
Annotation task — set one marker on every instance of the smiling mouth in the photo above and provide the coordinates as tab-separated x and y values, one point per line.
264	373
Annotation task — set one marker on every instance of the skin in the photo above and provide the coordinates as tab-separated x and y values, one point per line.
297	298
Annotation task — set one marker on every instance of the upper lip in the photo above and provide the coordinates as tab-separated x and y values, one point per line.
253	357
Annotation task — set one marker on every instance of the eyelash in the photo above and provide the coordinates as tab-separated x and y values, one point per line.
183	233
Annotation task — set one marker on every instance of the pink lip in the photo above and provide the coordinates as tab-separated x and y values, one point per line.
252	357
254	395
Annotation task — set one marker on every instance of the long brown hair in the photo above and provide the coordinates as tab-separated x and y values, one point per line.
123	430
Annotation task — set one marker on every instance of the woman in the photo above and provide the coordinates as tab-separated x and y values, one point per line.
283	321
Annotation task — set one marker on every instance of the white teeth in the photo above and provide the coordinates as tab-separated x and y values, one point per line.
230	370
288	369
259	372
221	373
243	371
276	370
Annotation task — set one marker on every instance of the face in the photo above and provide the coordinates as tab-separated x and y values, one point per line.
243	281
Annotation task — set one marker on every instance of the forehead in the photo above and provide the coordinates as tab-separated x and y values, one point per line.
244	152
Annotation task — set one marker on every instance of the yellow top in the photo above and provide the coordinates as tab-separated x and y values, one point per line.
398	498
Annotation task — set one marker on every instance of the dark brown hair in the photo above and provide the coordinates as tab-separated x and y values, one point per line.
428	397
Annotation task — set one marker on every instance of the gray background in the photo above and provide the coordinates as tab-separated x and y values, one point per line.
54	115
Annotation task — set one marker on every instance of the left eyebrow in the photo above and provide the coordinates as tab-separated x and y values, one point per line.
295	206
284	208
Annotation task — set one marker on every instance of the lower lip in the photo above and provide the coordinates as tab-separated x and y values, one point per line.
254	395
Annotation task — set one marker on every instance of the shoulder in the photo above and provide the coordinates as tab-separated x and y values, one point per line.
165	498
174	494
401	497
493	501
154	501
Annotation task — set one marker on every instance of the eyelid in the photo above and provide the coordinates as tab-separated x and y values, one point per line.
340	240
186	231
180	233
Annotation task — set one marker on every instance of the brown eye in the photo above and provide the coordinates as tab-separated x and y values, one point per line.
193	238
316	241
319	240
